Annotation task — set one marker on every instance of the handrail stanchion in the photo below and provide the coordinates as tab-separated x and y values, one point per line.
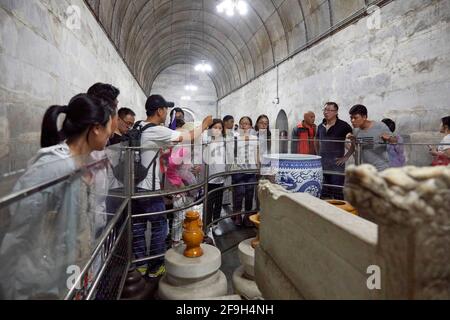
358	160
205	201
129	186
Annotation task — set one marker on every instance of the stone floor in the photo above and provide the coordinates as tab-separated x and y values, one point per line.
228	244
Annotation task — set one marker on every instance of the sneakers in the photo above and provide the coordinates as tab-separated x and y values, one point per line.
142	270
158	272
210	235
209	238
218	231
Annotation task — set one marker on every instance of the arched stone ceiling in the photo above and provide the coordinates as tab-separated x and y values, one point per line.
152	35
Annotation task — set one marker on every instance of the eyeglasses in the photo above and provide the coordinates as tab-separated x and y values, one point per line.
128	124
329	110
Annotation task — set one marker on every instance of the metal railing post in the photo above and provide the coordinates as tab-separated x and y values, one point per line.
205	201
358	160
129	186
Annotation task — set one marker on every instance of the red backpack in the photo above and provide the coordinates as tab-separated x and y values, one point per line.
441	160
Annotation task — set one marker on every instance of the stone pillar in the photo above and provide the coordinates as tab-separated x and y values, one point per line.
193	278
244	276
193	268
411	207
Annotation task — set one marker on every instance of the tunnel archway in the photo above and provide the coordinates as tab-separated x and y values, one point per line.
171	83
282	123
282	126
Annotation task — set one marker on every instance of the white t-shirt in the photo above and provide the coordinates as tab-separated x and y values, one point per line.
155	138
445	140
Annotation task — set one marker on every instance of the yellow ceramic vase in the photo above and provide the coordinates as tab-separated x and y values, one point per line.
193	235
255	219
344	205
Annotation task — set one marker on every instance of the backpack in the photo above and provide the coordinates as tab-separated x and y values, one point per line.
133	139
440	160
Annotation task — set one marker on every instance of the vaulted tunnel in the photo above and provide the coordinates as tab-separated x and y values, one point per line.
153	35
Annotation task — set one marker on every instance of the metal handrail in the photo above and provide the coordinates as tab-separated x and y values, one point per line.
152	214
105	264
98	248
230	216
130	195
232	186
162	193
148	258
16	196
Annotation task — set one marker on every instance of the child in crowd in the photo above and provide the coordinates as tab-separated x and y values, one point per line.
396	152
180	174
215	156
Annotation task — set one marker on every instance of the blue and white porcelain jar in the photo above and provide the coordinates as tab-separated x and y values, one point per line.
297	173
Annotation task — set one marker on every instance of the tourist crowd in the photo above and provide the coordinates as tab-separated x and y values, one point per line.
60	226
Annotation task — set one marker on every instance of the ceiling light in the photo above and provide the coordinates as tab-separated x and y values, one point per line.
203	67
191	87
230	6
242	7
186	98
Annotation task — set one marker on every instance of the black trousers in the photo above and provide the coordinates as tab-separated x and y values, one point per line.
245	193
215	201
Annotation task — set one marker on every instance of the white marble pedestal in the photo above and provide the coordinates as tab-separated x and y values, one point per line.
244	276
193	278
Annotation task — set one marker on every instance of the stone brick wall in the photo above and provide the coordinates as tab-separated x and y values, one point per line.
400	70
47	56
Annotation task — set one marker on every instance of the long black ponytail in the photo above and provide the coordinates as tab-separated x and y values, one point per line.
83	112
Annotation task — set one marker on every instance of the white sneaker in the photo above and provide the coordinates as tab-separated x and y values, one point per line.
210	235
218	231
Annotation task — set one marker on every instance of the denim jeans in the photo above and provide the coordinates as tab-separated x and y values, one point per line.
159	228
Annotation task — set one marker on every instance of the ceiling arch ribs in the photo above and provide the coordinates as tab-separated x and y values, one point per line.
163	50
195	53
196	37
208	26
210	37
179	59
149	34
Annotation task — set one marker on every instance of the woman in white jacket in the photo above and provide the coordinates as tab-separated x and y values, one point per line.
215	157
54	229
246	158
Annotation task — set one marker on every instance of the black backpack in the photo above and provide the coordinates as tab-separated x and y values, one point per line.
133	139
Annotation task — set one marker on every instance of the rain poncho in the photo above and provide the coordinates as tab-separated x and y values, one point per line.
50	232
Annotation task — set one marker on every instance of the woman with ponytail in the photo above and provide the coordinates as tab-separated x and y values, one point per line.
53	231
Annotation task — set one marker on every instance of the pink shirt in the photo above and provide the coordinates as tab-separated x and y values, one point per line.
179	168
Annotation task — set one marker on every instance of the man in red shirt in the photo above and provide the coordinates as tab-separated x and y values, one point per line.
303	136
